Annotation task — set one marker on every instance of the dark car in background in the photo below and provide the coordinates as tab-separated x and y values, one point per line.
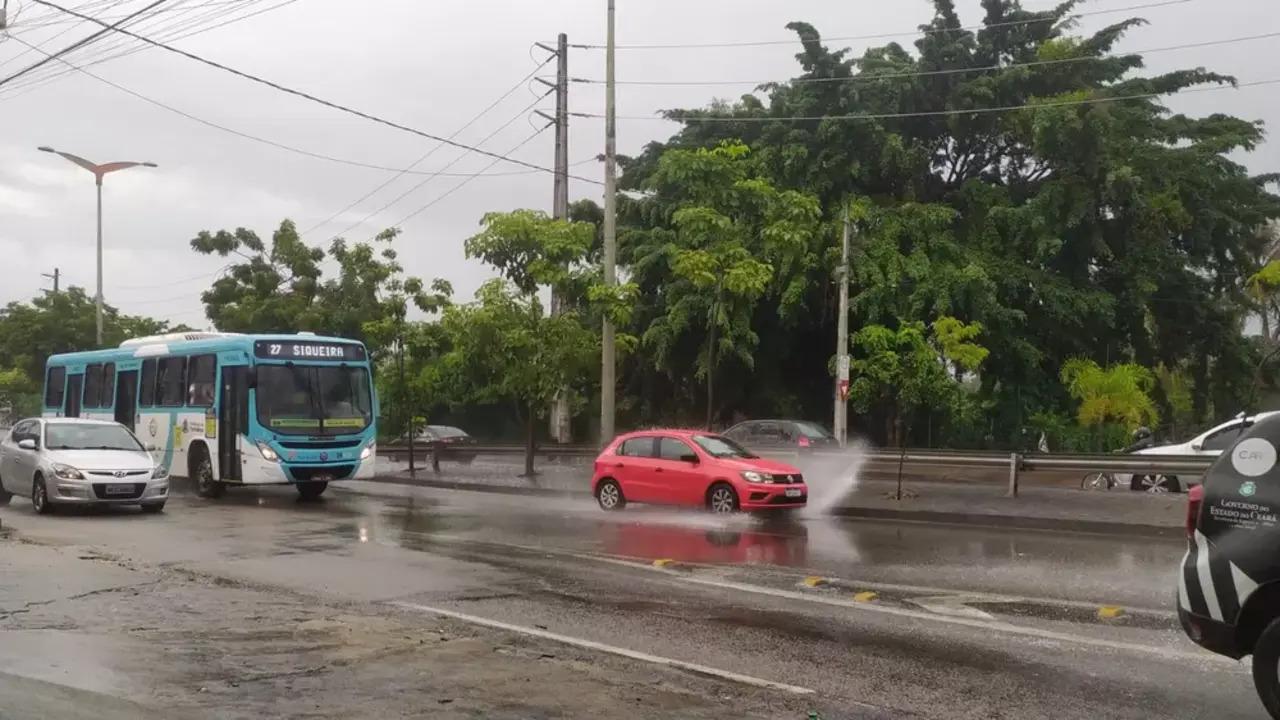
446	441
781	435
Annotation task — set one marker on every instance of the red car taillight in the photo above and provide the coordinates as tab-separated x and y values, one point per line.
1195	498
804	441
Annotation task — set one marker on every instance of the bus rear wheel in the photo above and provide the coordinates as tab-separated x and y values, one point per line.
311	490
207	486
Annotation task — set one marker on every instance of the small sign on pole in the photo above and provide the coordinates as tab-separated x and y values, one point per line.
844	389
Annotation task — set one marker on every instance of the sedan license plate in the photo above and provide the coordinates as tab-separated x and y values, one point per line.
119	490
794	492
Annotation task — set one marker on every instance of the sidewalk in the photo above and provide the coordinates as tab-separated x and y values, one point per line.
1117	512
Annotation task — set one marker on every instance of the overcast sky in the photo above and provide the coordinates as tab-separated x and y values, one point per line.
431	64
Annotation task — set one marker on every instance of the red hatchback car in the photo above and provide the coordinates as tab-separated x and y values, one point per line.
692	468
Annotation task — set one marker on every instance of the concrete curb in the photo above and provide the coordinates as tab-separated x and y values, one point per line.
1012	522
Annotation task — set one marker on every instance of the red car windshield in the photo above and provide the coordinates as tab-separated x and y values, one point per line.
721	447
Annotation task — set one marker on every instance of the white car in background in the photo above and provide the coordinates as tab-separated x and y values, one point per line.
1210	443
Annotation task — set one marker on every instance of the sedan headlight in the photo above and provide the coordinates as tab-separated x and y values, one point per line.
752	476
267	453
67	472
367	452
161	472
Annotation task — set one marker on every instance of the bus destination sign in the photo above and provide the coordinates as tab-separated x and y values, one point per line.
307	350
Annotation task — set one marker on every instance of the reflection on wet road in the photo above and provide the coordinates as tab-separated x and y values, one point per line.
923	620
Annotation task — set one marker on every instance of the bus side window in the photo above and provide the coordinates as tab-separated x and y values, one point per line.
171	381
92	386
147	393
201	379
108	395
55	387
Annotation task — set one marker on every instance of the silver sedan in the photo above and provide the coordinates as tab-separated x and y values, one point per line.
65	461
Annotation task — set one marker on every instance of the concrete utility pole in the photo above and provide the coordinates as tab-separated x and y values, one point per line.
607	362
98	172
840	421
55	276
561	430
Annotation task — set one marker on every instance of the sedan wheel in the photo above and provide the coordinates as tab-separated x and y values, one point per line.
723	499
40	497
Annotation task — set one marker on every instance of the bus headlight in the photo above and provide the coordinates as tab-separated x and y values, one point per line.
367	452
267	453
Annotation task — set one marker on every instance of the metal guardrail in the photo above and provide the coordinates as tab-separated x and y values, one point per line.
1015	463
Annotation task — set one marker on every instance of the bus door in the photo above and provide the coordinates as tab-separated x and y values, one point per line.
75	389
233	417
127	398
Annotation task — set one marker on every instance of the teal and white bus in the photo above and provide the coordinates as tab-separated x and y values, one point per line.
227	409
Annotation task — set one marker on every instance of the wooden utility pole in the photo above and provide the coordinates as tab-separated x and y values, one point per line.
840	420
608	367
55	276
561	418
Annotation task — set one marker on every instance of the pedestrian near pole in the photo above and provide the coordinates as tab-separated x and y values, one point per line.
99	171
607	366
840	420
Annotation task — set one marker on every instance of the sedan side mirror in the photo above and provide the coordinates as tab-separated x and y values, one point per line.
690	458
27	444
1197	447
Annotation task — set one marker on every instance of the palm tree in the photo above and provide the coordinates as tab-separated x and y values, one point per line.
1119	393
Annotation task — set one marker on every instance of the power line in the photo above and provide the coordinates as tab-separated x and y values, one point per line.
265	141
75	23
81	43
469	176
929	113
459	186
55	20
177	28
519	84
313	98
877	36
875	77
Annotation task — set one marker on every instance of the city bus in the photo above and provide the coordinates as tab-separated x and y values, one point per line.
227	409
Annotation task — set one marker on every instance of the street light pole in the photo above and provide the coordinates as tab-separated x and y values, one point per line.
98	172
608	363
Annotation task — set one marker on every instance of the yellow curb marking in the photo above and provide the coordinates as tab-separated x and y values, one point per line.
664	562
864	597
1110	612
814	581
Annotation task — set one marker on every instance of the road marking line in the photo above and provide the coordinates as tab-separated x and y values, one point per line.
663	562
611	649
864	597
953	605
814	581
1030	632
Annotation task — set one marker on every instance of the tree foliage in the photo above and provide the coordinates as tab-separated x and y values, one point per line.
1119	393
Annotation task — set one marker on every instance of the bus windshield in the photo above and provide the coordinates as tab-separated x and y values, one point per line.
311	400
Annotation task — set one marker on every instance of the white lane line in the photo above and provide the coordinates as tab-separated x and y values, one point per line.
997	626
611	649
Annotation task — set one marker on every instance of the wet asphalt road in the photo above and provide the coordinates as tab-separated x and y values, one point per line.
896	620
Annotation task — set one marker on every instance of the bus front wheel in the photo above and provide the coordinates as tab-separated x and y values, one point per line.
311	490
202	472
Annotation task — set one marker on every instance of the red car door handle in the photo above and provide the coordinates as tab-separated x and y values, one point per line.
657	469
619	465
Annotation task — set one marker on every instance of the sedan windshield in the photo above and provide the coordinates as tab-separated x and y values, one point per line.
813	431
721	447
329	400
85	436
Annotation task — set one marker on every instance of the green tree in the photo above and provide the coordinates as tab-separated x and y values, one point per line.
63	322
898	372
280	289
503	348
1118	394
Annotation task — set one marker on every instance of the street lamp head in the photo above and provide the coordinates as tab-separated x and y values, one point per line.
149	164
46	148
